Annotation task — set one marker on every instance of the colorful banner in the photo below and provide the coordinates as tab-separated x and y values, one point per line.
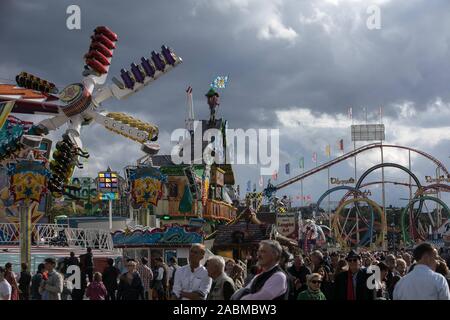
219	82
328	150
146	185
314	157
288	168
341	145
28	180
301	163
205	184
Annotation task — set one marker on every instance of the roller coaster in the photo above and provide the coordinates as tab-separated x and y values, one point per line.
367	226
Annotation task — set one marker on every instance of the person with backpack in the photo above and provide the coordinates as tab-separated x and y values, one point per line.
173	267
161	282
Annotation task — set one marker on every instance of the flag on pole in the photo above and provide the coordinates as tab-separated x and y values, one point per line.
5	110
219	82
328	150
249	186
288	168
275	175
350	113
301	163
314	157
341	144
261	181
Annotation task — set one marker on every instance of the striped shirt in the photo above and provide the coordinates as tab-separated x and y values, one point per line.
146	275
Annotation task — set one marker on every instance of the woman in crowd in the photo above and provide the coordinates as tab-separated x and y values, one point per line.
96	290
442	268
229	267
11	278
130	284
237	274
327	286
36	282
313	292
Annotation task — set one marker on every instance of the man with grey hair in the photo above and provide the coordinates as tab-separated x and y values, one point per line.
271	283
222	287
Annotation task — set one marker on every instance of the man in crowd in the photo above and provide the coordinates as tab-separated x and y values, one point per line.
110	275
73	261
334	260
318	261
392	276
423	283
352	284
299	271
87	265
146	275
173	267
24	283
51	288
222	287
401	267
271	283
161	282
192	281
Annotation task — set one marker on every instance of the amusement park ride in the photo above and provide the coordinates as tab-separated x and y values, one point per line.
76	105
81	103
368	227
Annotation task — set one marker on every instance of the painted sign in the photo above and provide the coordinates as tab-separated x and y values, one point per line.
342	182
287	225
87	187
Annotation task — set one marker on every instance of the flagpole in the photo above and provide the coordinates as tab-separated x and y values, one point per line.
301	186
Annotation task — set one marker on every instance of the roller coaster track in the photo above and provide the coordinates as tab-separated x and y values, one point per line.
352	154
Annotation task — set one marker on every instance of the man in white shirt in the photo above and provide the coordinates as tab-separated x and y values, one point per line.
5	287
192	281
422	283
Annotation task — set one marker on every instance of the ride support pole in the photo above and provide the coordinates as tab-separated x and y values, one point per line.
25	233
110	214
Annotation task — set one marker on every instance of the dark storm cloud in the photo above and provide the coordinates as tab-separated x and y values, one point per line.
324	58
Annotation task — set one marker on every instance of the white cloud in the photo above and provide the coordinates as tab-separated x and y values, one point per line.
262	16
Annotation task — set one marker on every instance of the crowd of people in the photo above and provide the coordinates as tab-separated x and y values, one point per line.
273	274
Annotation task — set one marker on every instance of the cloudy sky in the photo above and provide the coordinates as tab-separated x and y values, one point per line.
293	65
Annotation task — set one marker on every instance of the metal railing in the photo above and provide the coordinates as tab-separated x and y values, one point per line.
58	235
